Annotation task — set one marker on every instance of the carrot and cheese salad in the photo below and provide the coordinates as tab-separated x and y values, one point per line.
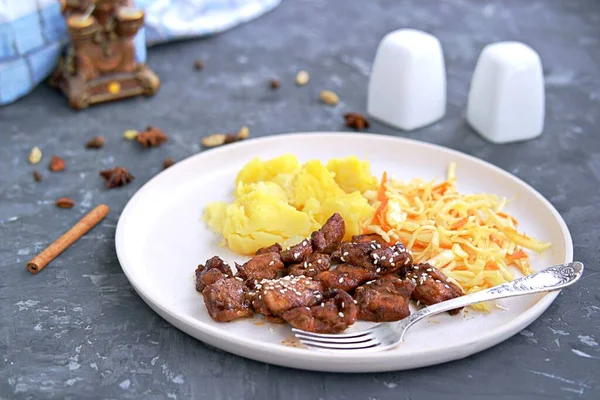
467	236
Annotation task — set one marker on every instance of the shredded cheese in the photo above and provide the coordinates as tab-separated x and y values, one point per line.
467	236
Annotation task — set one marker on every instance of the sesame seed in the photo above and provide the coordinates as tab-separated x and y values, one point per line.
271	263
319	261
355	302
341	280
375	262
383	257
343	304
341	314
311	270
407	261
281	291
296	255
438	281
342	258
322	304
373	246
428	270
416	266
308	308
239	279
305	264
418	302
304	243
378	270
392	264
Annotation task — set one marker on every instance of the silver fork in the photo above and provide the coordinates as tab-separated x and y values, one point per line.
389	334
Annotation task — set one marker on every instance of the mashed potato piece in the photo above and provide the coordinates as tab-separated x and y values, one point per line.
281	200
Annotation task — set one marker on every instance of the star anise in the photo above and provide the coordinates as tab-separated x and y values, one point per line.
356	121
117	176
151	137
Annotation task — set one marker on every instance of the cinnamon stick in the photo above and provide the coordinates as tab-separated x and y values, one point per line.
86	223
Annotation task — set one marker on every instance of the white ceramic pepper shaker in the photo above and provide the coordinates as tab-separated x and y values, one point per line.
506	98
407	86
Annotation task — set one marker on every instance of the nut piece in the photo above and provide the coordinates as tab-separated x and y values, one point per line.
302	78
37	176
117	176
214	140
130	134
356	121
65	202
151	137
168	162
218	139
274	84
57	164
329	97
243	133
199	64
35	155
97	142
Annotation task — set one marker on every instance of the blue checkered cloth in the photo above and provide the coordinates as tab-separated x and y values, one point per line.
33	32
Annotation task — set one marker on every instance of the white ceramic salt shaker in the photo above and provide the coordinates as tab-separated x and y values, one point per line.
407	87
506	98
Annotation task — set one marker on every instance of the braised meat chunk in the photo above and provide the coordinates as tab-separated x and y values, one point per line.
357	254
227	300
432	286
332	315
390	259
385	299
276	248
274	297
262	266
369	238
297	253
346	277
214	269
328	238
314	264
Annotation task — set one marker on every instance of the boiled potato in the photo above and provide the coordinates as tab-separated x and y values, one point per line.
352	174
280	200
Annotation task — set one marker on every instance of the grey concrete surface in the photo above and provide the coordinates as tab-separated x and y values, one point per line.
79	331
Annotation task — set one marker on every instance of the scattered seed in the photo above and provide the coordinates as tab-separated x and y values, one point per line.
65	202
214	140
56	164
199	64
97	142
130	134
168	162
243	133
328	97
35	155
37	176
274	84
302	78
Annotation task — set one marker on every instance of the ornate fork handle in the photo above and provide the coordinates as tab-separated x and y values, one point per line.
553	278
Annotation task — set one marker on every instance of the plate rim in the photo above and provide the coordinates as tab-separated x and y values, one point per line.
295	357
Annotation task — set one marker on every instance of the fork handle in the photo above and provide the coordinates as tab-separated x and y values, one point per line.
553	278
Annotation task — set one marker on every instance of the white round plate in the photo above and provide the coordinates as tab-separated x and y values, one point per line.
161	238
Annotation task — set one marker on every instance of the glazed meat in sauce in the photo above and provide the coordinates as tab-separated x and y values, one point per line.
328	238
226	300
333	315
274	297
263	266
432	286
213	270
346	277
297	253
276	248
385	299
313	296
314	264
